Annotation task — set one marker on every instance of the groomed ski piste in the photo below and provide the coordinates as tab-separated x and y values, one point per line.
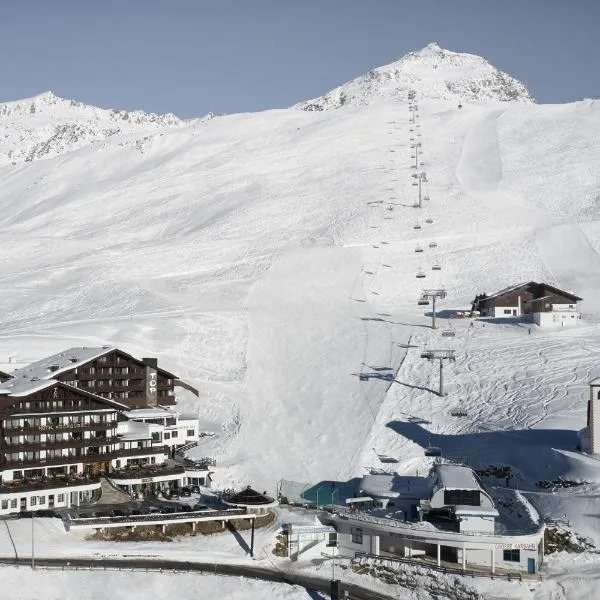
257	256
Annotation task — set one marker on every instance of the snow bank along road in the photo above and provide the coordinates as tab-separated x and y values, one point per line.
296	578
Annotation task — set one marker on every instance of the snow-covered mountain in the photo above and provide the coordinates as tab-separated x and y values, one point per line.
270	260
46	126
433	73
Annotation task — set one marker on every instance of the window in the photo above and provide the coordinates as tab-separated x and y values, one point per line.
357	535
167	436
461	497
174	434
507	311
42	500
4	504
512	555
13	503
32	501
190	433
61	498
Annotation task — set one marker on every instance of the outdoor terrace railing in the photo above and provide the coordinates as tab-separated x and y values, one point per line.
182	516
141	472
45	484
58	428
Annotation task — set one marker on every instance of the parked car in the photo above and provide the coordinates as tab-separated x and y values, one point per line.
155	510
185	492
185	508
195	489
199	506
174	493
116	512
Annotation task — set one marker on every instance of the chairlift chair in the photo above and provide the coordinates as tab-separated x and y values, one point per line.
423	302
461	411
418	249
420	274
433	451
417	226
433	244
429	220
390	207
426	198
448	331
436	267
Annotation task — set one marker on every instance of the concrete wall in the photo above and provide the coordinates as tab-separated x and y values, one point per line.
556	318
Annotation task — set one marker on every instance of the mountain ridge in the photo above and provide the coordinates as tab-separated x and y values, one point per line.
432	72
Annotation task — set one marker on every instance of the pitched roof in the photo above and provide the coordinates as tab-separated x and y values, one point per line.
47	369
512	288
25	387
51	366
457	477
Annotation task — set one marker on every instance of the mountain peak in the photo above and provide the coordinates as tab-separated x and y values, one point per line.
432	72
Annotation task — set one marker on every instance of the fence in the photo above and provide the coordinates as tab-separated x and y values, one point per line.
509	576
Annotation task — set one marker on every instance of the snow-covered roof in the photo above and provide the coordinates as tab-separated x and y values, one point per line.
395	486
479	511
23	386
154	412
51	366
132	430
457	477
506	290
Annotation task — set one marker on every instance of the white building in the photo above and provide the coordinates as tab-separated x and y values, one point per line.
447	516
543	304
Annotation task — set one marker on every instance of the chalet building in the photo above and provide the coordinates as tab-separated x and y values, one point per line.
109	373
447	515
544	304
59	436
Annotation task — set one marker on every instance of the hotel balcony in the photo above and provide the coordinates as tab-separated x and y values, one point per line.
47	483
58	428
72	459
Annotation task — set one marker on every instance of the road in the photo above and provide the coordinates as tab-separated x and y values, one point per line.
355	592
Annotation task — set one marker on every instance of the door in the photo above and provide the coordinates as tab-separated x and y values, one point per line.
531	565
51	501
23	504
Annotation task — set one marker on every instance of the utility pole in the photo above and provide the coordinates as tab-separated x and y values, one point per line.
440	355
32	555
431	295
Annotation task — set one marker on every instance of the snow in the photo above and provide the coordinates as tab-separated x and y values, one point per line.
68	585
255	255
457	477
431	72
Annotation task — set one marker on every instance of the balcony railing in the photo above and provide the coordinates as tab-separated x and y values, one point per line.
37	446
72	459
60	427
46	483
142	472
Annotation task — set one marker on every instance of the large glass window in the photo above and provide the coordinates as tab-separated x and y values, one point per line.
462	497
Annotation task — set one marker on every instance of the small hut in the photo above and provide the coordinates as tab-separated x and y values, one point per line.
253	501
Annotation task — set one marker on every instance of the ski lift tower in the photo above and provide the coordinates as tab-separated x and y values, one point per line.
421	177
432	295
416	146
440	355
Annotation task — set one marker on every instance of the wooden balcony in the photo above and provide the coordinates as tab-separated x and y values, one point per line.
46	483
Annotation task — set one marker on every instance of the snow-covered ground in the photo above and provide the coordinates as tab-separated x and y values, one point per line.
255	255
95	585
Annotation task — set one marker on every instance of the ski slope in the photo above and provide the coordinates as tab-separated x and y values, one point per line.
256	256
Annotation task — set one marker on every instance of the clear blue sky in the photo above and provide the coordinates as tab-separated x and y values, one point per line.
194	56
